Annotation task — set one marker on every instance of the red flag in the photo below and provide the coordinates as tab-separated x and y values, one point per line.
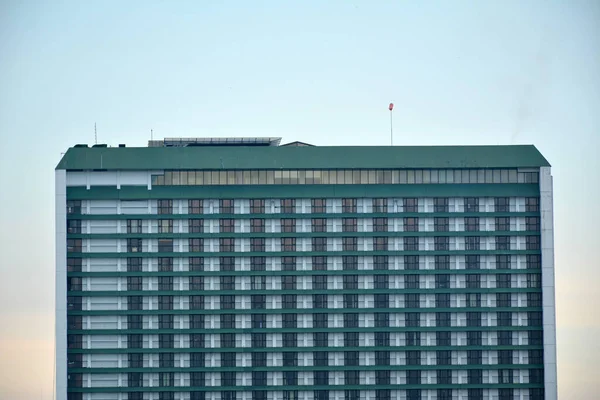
391	107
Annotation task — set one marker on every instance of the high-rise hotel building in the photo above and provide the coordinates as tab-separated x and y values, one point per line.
243	269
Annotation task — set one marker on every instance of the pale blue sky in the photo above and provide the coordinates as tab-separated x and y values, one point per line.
462	72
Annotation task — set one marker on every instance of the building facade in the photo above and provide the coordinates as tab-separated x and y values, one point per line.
241	269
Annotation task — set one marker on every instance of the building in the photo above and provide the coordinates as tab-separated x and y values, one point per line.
242	269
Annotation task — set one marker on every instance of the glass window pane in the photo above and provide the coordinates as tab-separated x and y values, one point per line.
512	176
364	176
301	177
191	177
239	178
410	176
434	176
480	176
449	176
504	176
175	177
340	177
465	176
372	177
168	178
254	177
231	177
403	176
488	176
278	177
160	180
246	175
222	177
270	177
325	177
356	176
473	176
419	176
387	177
214	178
395	176
457	176
286	177
318	177
262	177
426	176
348	177
183	177
496	176
310	177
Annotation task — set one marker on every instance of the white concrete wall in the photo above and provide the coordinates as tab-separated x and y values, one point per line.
548	296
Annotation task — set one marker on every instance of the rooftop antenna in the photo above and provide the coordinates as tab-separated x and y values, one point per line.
95	134
391	107
151	134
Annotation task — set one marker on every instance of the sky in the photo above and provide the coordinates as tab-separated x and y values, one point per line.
461	72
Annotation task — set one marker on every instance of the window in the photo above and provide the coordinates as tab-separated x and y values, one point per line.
380	224
534	261
257	301
258	320
226	245
475	394
165	226
227	340
259	378
195	206
382	377
440	204
257	206
411	243
165	302
472	262
504	318
288	244
442	319
473	319
411	300
413	378
471	204
290	358
444	377
501	204
227	282
318	206
258	359
505	376
503	300
74	264
320	320
166	341
380	244
166	360
532	242
134	283
532	204
288	225
257	244
165	245
288	282
380	205
532	224
196	264
288	206
352	377
196	245
473	299
197	341
411	281
534	281
410	205
382	300
319	301
227	302
349	205
319	282
380	263
413	357
165	206
443	338
503	224
382	320
380	281
226	225
258	282
196	302
442	243
226	206
350	300
133	302
321	339
443	357
73	226
534	318
196	225
133	245
349	225
536	338
288	301
257	225
319	225
73	206
441	224
289	321
472	224
473	281
502	261
350	244
474	375
165	264
442	281
536	356
472	242
502	243
351	358
503	281
350	262
319	263
441	262
319	244
442	300
196	322
382	339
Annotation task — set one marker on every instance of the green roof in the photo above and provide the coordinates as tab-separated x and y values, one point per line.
291	157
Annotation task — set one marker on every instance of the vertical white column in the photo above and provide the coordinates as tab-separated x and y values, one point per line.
548	297
61	283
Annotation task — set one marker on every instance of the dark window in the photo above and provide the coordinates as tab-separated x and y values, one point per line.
534	261
136	360
380	224
226	225
410	205
165	302
503	300
442	300
472	242
321	394
258	359
319	244
288	206
318	206
441	243
382	377
259	378
257	206
380	263
165	245
532	242
441	224
473	281
74	284
320	320
134	283
413	377
534	318
473	319
350	263
536	376
74	341
413	338
228	321
196	321
411	243
442	281
442	262
348	205
257	244
350	244
165	283
74	264
319	301
196	283
536	394
473	299
504	318
442	319
503	224
471	204
196	302
165	226
290	339
73	206
535	338
74	226
321	358
227	340
413	357
288	225
226	206
472	224
166	341
165	206
503	281
505	376
443	357
74	245
503	261
380	281
380	205
288	282
352	377
504	338
502	243
443	338
75	321
319	282
532	204
501	204
505	394
440	204
195	206
289	321
257	225
411	281
349	225
444	377
475	394
536	356
196	264
382	339
165	264
166	360
288	244
197	341
472	262
288	301
257	301
228	378
534	299
474	375
351	300
382	320
133	302
319	263
227	302
290	359
351	358
411	224
134	379
411	300
196	225
382	300
534	280
226	245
